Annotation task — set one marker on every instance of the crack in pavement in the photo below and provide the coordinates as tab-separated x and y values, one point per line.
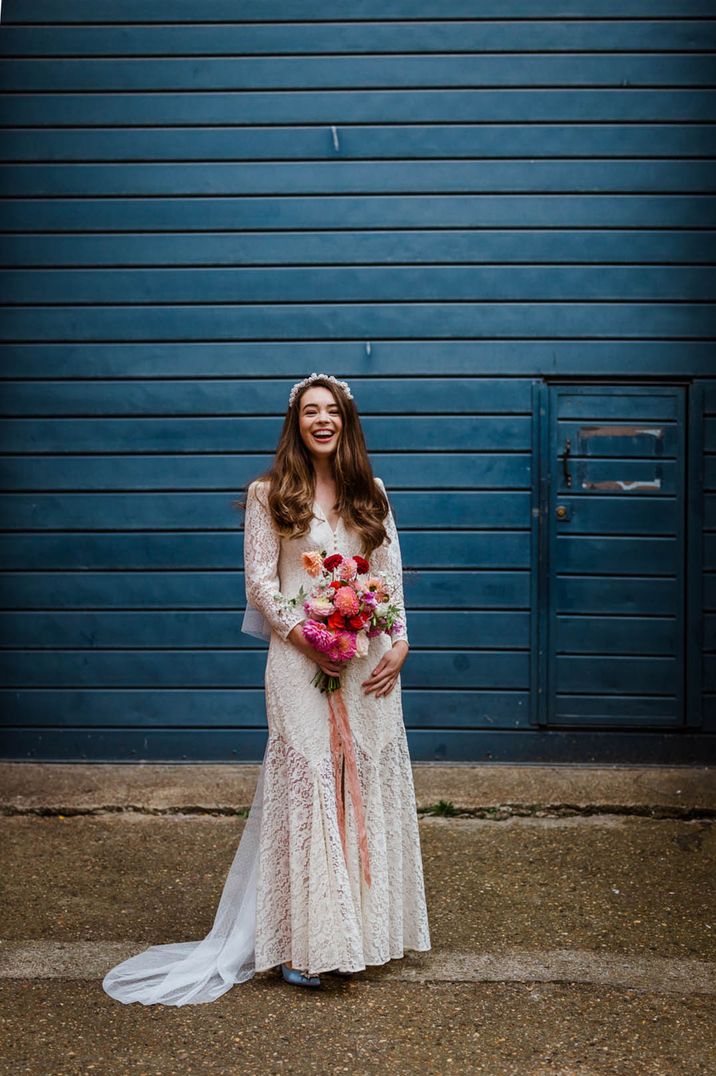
89	960
493	813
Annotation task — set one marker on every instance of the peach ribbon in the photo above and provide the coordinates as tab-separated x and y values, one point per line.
342	749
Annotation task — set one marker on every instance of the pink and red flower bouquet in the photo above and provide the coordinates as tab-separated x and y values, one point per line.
345	608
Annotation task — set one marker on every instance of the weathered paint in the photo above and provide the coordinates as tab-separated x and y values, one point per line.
474	221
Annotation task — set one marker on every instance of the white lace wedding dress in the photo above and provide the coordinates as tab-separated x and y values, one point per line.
291	894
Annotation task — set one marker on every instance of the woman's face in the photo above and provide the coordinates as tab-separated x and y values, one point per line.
319	412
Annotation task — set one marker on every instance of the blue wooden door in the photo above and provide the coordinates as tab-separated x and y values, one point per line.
612	556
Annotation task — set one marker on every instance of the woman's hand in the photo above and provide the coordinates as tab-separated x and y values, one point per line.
385	675
299	640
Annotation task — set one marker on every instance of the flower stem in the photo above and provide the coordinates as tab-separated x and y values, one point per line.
325	683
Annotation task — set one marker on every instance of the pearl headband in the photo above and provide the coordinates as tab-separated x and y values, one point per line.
307	381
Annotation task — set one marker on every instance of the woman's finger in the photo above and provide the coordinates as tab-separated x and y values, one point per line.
379	684
388	689
379	670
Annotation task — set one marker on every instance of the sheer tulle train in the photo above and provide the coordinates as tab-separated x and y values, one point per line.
183	973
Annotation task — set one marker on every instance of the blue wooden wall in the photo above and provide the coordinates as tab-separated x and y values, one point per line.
455	206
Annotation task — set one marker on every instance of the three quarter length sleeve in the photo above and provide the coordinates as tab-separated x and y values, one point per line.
387	558
262	546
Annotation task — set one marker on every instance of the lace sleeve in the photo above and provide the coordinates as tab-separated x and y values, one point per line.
386	558
262	546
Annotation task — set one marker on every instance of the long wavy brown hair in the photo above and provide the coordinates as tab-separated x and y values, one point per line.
361	502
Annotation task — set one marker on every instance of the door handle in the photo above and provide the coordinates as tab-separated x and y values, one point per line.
565	466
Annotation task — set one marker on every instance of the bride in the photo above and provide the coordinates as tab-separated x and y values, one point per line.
327	876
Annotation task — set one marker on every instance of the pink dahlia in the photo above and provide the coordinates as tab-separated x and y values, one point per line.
344	646
348	569
346	601
318	636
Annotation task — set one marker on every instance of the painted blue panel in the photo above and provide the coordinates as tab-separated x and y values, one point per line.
255	73
346	211
361	321
177	629
464	36
213	511
426	745
506	433
358	359
603	667
216	550
467	470
395	141
220	178
459	214
471	589
375	284
243	396
455	669
366	248
208	712
257	11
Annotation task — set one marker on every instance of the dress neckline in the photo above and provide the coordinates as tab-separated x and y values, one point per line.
333	532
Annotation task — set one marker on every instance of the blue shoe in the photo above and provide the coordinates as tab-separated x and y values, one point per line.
297	978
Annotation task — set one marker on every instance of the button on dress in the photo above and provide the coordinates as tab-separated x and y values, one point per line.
292	894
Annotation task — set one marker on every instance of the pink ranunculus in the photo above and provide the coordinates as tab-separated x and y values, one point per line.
348	569
362	644
312	562
346	601
318	635
318	607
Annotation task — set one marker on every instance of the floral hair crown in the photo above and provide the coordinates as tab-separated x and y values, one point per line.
307	381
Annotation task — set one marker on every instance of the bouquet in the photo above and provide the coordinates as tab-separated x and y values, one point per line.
347	606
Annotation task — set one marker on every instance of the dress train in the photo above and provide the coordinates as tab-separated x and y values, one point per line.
189	973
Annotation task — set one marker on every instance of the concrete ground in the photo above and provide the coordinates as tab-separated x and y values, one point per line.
571	912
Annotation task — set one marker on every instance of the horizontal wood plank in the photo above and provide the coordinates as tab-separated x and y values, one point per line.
133	631
216	551
283	362
365	284
187	590
226	11
476	35
337	107
232	473
433	248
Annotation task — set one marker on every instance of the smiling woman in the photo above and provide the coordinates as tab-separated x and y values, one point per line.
328	874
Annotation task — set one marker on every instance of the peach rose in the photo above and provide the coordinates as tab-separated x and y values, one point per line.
312	562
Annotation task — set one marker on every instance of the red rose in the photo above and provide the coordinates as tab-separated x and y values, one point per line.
332	562
336	620
357	622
